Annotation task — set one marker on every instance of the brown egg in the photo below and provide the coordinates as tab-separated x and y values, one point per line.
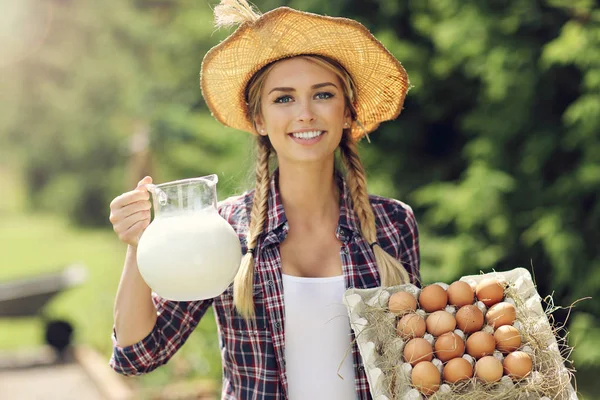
489	291
481	344
449	346
489	369
416	350
402	302
460	294
469	319
507	339
410	326
440	322
457	369
426	378
518	365
501	314
433	298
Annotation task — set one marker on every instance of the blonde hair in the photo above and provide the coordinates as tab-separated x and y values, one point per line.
390	270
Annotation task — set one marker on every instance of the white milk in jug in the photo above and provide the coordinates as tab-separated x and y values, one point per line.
189	256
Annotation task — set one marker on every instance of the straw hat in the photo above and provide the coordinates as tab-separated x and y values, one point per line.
381	81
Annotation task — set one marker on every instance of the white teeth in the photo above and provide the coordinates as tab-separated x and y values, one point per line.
307	135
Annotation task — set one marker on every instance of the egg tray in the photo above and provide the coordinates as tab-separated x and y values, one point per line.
389	376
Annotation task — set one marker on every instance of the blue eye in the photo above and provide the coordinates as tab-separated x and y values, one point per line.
324	95
283	99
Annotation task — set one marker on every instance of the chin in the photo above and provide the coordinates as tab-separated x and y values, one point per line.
312	158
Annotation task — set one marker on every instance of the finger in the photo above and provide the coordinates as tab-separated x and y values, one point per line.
129	198
145	181
119	214
121	226
132	208
133	233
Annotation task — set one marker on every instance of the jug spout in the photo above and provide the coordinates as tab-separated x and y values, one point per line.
211	180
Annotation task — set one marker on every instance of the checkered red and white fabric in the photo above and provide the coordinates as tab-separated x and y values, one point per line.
253	351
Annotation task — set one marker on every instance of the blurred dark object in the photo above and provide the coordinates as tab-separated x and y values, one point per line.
58	334
28	298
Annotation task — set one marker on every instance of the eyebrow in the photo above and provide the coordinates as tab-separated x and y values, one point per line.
290	89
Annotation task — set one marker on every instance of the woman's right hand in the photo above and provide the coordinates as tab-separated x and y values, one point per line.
130	213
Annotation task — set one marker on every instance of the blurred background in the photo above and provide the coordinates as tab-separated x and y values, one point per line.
497	149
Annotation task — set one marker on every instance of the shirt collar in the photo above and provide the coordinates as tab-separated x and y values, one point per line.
276	214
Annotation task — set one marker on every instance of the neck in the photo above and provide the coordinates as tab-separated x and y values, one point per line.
309	194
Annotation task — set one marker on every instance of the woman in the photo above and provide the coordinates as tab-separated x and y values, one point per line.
308	231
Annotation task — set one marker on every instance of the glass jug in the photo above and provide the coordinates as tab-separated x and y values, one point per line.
188	252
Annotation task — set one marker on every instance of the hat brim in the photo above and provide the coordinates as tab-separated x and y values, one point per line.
381	81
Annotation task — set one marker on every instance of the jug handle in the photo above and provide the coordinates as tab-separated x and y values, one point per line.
156	192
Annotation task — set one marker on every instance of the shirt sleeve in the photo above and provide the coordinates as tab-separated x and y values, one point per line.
176	320
409	247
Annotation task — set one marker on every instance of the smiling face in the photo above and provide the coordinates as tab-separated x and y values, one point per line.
303	111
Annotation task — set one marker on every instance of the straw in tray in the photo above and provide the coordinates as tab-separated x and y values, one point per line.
549	378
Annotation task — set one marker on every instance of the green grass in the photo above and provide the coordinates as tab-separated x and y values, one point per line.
35	244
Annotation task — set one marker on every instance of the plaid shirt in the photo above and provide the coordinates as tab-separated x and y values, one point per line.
253	352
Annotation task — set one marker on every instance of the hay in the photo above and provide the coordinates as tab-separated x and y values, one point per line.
549	378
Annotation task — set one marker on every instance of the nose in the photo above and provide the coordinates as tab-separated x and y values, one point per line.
305	112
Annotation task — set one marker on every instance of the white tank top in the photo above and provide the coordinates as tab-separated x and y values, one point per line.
317	338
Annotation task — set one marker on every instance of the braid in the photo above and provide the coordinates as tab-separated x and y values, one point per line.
244	280
391	270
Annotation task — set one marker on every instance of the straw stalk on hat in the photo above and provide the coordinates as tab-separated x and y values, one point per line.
260	39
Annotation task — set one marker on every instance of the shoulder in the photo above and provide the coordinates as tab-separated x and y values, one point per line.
393	212
236	209
397	232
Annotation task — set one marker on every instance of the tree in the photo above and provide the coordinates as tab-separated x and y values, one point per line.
498	147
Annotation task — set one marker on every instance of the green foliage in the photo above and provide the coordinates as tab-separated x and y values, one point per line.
586	351
497	149
103	71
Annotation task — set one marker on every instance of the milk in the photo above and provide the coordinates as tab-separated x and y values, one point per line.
189	255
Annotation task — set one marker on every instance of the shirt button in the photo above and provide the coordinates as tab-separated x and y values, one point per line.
345	250
270	283
277	325
361	368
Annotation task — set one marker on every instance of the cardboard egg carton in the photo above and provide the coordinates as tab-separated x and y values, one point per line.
357	300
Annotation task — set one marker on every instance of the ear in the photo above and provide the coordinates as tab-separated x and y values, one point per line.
347	117
260	126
